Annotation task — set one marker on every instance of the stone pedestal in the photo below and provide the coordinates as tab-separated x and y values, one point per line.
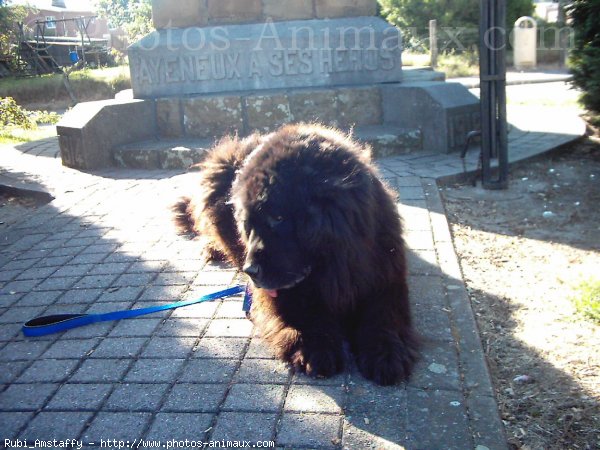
216	67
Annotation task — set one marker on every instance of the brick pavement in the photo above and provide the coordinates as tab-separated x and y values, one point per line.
200	373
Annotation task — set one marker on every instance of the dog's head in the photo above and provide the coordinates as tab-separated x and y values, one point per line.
292	203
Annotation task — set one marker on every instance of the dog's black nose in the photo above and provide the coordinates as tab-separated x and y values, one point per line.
252	270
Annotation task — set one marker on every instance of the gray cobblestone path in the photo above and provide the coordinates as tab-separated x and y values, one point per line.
106	243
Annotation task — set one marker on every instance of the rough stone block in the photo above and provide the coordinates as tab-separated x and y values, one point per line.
168	117
88	133
211	117
345	8
234	11
318	105
287	9
179	13
387	141
445	112
359	106
267	112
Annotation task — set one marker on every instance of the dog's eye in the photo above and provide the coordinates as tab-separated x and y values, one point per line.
274	221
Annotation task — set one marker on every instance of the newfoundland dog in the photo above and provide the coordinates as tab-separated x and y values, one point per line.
303	213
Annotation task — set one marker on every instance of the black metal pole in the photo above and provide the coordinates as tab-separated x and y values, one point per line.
492	76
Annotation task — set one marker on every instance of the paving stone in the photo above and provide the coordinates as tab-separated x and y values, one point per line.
67	251
171	278
119	348
39	298
101	371
186	397
120	294
89	258
312	430
8	331
209	371
240	426
109	268
373	410
95	282
79	396
19	286
79	296
229	328
437	367
259	349
166	347
438	419
423	262
262	371
163	293
56	283
136	397
255	397
118	425
21	314
220	348
36	273
180	426
54	261
204	310
315	399
68	348
135	327
9	371
56	425
26	397
19	264
7	300
23	350
155	370
182	327
49	370
134	279
12	422
8	275
419	240
107	307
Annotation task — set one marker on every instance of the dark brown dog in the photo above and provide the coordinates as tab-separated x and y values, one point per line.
303	213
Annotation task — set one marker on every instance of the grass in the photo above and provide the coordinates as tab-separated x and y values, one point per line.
453	64
15	135
88	84
587	299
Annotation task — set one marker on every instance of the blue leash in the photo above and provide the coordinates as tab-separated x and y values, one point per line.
42	326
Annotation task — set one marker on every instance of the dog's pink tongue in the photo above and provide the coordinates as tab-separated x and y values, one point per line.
271	292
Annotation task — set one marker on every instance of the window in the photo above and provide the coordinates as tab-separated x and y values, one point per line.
50	23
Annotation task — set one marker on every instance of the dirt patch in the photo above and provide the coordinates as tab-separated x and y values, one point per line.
522	251
16	206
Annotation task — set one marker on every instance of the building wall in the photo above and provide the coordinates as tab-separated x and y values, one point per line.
96	29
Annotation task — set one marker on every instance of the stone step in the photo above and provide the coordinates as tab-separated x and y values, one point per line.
162	154
178	154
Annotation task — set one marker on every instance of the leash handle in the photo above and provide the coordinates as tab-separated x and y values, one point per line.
41	326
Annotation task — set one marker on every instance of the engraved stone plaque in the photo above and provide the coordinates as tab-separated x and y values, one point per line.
270	55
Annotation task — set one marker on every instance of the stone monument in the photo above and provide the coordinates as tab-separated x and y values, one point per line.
214	67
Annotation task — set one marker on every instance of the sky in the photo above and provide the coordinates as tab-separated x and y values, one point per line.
80	5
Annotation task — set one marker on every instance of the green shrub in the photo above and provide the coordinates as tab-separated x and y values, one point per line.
587	299
585	56
12	115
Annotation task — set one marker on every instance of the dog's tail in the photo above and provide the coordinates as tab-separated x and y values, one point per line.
184	218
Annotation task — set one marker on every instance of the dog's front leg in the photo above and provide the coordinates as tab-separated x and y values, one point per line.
300	332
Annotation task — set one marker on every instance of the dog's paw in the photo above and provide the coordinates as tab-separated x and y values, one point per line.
386	362
318	361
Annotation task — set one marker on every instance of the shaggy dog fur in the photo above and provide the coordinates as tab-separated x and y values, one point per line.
303	212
